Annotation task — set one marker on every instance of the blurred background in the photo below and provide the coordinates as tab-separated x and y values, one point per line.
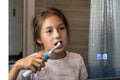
94	32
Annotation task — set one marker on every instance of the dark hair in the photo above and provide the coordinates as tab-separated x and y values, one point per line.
39	18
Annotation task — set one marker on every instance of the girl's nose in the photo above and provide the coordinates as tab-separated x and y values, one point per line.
57	34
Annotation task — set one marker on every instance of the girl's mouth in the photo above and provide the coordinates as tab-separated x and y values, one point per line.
60	45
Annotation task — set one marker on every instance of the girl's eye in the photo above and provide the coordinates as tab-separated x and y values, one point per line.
62	28
48	31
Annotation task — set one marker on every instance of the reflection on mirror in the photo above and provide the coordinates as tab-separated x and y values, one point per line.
104	40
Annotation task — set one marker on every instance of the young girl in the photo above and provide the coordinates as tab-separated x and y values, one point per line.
51	27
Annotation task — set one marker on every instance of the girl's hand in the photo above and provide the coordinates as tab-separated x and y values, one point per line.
31	62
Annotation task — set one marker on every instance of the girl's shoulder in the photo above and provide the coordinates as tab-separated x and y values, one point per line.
74	55
76	58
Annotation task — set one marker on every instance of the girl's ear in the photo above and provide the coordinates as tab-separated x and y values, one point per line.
39	41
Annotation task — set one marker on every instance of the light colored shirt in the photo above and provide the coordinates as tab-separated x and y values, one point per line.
71	67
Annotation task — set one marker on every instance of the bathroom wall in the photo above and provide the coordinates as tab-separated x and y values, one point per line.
15	26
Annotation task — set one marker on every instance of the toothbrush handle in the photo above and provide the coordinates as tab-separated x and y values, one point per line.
46	55
28	72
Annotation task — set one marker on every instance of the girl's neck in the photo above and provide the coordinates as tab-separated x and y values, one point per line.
55	55
58	55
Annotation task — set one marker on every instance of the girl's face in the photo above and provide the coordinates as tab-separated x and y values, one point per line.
53	31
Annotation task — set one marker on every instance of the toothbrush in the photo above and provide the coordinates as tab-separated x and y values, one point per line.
46	55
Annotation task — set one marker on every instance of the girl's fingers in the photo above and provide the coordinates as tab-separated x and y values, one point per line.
41	57
43	64
30	62
38	60
33	68
37	65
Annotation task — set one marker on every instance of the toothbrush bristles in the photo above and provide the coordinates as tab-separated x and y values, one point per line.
58	44
54	48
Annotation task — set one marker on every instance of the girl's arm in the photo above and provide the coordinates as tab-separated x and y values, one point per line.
14	73
27	63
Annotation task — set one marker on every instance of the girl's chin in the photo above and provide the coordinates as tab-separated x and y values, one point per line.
60	50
